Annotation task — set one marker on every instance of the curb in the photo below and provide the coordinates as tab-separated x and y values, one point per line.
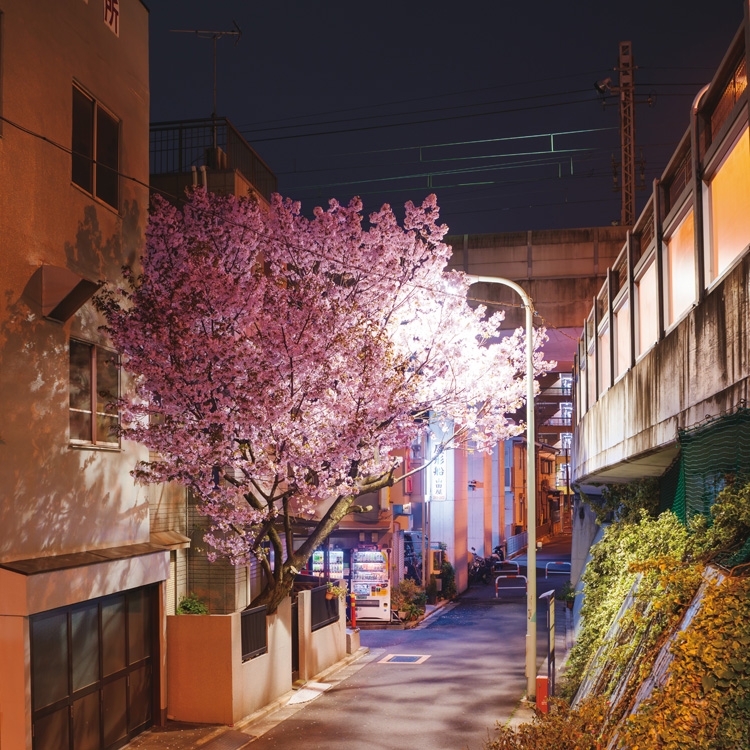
282	700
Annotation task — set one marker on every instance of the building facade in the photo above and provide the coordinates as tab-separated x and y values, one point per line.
666	342
81	586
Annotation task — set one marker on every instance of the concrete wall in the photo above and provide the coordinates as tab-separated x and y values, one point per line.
701	367
207	681
562	270
324	647
56	499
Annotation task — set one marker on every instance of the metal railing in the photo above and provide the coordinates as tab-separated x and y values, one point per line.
557	568
254	632
517	543
177	147
324	611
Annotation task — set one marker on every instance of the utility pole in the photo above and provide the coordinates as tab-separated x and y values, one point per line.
626	93
626	69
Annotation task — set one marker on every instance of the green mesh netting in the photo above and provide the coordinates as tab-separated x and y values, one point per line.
710	456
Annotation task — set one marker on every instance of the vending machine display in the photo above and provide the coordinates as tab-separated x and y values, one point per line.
369	584
335	563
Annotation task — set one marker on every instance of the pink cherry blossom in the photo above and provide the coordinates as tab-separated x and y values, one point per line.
280	361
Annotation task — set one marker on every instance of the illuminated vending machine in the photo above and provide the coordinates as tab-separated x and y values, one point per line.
335	563
370	585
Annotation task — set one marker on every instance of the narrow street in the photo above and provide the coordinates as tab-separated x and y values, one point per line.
465	672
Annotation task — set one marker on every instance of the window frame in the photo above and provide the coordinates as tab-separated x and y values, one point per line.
737	128
98	186
94	440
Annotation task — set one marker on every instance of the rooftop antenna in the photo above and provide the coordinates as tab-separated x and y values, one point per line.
215	36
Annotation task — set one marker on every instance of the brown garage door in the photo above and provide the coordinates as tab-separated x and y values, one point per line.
92	685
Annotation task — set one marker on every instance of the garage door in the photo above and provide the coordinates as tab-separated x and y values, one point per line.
91	671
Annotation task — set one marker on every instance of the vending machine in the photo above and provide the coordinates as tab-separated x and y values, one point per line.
335	563
369	584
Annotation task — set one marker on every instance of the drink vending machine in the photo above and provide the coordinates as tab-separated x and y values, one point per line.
369	584
335	563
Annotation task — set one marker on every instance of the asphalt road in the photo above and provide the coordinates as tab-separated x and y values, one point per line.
464	671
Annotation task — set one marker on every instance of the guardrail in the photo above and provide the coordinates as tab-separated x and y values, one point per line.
547	570
506	566
524	587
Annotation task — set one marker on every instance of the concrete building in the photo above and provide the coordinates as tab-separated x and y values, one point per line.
81	586
665	342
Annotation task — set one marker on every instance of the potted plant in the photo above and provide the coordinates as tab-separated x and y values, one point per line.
567	594
336	591
408	599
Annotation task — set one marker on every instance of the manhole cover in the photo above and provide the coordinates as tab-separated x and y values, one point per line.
404	659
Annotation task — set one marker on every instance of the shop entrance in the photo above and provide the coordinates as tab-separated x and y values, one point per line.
92	682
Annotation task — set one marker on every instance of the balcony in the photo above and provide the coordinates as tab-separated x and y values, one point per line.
179	150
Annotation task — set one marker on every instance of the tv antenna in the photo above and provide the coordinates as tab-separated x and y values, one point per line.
215	36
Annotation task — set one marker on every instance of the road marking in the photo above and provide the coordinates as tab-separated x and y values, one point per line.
404	659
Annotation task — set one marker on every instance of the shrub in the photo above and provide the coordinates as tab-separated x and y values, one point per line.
190	604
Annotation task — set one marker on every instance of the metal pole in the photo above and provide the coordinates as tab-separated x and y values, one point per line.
530	480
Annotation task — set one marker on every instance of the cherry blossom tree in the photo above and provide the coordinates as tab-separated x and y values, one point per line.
280	362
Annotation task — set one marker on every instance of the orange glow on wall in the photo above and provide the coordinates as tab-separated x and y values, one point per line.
729	201
647	308
622	339
680	265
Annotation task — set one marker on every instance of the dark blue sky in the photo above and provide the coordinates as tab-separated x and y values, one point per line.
408	97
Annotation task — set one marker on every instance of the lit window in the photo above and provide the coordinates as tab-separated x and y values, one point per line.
94	390
680	268
622	338
95	149
647	306
604	369
729	195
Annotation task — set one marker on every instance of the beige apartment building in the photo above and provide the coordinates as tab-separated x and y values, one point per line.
81	586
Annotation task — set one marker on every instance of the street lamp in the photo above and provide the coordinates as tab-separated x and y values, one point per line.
530	480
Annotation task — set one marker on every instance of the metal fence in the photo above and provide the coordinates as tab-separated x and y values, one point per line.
179	146
254	632
324	611
516	543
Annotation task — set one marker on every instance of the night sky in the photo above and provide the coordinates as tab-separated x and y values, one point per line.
394	100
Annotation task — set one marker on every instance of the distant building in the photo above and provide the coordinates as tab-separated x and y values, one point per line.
666	342
81	585
475	500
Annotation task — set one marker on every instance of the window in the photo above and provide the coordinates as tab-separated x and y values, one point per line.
604	361
680	269
646	296
729	195
94	390
96	149
622	338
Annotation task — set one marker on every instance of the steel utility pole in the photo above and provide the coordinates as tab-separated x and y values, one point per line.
626	88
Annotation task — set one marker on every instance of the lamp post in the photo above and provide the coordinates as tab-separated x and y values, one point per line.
530	479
